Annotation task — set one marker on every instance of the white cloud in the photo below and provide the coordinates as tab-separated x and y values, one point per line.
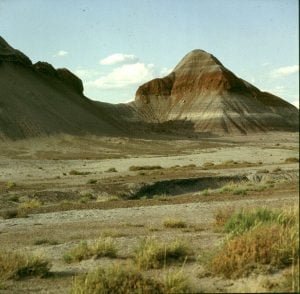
296	103
265	64
61	53
119	58
284	71
125	75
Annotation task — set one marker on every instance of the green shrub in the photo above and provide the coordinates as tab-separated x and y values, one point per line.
244	220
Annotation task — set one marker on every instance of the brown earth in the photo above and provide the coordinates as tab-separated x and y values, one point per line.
72	208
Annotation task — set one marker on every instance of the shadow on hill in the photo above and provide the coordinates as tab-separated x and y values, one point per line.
174	129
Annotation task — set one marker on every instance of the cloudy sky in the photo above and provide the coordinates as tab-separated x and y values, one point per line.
116	45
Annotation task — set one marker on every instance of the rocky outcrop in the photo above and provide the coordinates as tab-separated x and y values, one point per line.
9	54
63	74
45	68
70	79
201	90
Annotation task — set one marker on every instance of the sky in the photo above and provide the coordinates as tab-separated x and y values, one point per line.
114	46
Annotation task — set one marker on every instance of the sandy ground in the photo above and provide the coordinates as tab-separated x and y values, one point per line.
32	170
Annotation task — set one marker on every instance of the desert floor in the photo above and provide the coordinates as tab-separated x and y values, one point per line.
88	187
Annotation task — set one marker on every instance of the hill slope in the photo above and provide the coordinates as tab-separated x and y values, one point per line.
200	95
202	91
36	99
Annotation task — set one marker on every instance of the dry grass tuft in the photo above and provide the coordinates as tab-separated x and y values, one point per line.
129	280
10	213
271	246
91	182
241	188
174	223
223	215
144	167
116	280
78	173
111	170
45	242
103	247
113	234
290	281
154	254
30	204
176	282
16	265
10	185
207	165
259	239
22	210
291	160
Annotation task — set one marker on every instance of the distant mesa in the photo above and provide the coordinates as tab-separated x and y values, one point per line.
199	96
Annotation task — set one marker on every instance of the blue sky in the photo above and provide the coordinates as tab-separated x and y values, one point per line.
114	46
